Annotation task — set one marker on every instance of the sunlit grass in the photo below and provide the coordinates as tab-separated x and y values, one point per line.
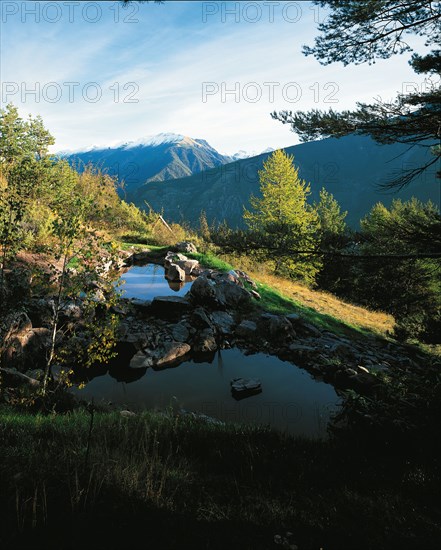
283	296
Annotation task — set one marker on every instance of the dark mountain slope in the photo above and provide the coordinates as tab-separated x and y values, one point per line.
351	168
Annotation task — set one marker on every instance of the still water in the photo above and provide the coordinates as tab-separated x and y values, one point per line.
147	281
291	400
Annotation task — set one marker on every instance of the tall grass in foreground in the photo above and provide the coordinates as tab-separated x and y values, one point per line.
74	480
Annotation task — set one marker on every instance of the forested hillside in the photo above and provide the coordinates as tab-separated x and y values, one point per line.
352	168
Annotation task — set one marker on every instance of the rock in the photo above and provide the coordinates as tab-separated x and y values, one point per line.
175	273
230	277
133	340
220	294
200	319
173	258
173	351
72	311
166	353
142	307
276	326
139	257
311	329
255	294
293	318
300	352
342	349
246	385
40	312
170	307
363	382
206	341
23	347
222	321
246	329
140	360
203	291
189	266
362	369
186	246
231	296
20	376
242	275
180	332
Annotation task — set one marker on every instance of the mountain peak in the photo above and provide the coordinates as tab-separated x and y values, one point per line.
247	154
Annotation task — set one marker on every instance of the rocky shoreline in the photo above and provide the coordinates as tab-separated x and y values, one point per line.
220	311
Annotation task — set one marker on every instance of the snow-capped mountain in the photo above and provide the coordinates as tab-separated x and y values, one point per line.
248	154
159	157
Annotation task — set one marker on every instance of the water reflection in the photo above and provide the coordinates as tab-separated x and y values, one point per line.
147	281
291	400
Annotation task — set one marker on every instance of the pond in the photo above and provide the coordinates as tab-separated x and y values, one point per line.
147	281
291	399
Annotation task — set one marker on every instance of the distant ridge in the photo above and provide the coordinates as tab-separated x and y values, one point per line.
351	168
159	157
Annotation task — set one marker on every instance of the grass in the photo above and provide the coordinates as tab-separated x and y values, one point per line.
139	246
282	296
211	261
181	483
321	308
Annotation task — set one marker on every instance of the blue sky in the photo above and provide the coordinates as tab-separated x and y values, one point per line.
105	74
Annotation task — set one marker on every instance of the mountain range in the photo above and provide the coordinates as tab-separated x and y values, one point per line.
160	157
183	176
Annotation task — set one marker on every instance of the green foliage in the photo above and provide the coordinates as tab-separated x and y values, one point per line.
358	32
282	219
333	235
331	219
20	139
410	288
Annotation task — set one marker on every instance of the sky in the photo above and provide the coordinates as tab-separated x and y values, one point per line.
100	73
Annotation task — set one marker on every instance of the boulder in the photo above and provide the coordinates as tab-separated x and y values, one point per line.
180	332
205	341
255	294
186	246
173	258
310	329
200	319
245	386
293	318
166	354
170	307
175	273
24	347
231	296
189	266
139	257
142	307
276	327
203	291
246	329
222	321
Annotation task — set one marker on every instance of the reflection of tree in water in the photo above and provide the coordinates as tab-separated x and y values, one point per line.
220	361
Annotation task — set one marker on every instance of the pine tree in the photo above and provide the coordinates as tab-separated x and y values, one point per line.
282	219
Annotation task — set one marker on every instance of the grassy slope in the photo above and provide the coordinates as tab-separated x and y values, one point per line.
180	483
324	310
